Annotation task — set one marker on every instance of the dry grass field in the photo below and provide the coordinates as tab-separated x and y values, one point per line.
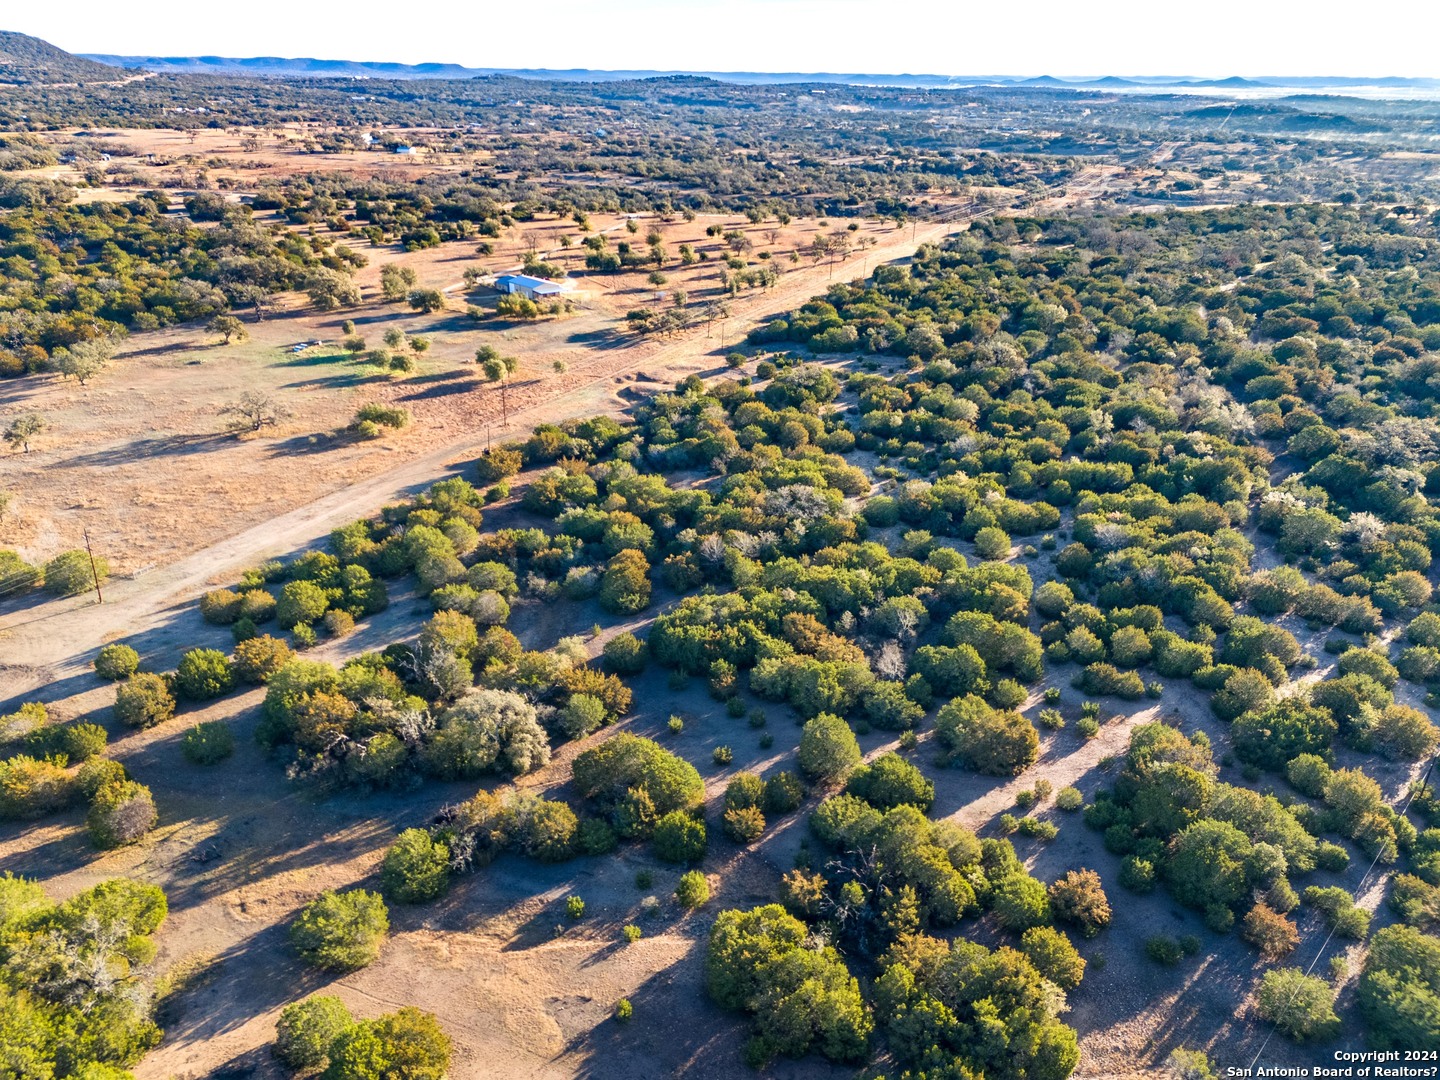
141	456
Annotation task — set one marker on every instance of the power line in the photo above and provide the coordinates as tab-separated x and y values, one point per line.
1358	889
94	573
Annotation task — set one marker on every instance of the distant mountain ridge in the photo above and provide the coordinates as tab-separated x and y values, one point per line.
303	67
26	59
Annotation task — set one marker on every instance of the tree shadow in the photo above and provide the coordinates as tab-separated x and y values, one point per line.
456	323
444	384
598	339
316	359
535	931
143	449
358	376
666	1041
259	1062
303	445
255	975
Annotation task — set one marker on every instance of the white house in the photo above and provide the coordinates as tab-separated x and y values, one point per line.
532	288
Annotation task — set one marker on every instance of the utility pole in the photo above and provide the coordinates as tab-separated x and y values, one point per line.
94	574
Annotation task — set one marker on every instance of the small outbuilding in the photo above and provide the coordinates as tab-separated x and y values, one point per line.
532	288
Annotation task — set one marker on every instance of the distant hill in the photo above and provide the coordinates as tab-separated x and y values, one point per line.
26	59
312	68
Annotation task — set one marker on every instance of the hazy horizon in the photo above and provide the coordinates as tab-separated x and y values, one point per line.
790	37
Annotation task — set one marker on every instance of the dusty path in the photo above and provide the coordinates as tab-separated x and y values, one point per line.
41	643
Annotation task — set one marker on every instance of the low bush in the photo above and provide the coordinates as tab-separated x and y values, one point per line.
415	868
208	743
341	931
204	674
693	891
116	662
143	701
121	813
307	1029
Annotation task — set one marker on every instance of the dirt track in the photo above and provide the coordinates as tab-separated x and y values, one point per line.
52	640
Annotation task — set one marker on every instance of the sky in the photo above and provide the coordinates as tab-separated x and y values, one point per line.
1064	38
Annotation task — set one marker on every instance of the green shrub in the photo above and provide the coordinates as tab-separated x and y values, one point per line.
985	739
596	837
208	743
307	1029
828	750
992	543
16	575
1339	911
257	658
1106	679
1020	902
221	607
1038	829
891	781
300	602
693	891
391	416
143	701
1137	874
574	908
1301	1006
116	662
679	838
1163	950
1400	989
204	674
1053	956
625	585
415	869
783	793
70	573
121	813
582	714
1069	798
744	824
408	1043
341	931
625	654
98	773
31	788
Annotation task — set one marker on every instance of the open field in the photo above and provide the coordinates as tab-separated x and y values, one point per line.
142	459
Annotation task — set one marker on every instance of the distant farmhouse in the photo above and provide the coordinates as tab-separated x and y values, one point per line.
532	288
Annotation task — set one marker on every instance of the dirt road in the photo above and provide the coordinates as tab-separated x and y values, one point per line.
42	643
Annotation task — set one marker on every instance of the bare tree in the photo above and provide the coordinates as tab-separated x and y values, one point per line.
254	411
